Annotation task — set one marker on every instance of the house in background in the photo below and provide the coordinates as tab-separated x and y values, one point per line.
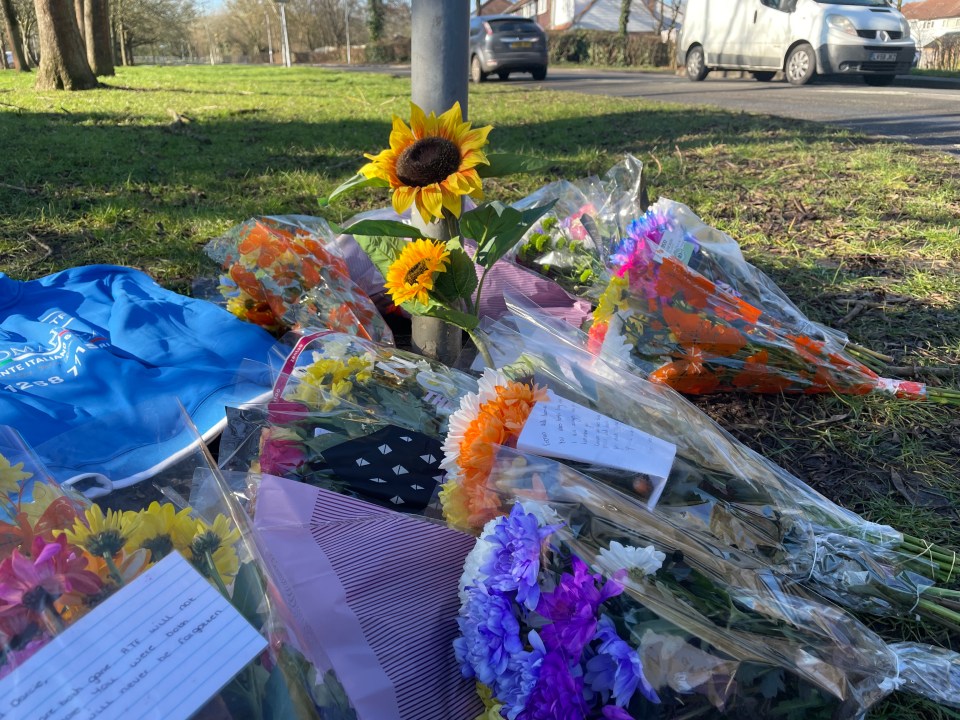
646	16
935	27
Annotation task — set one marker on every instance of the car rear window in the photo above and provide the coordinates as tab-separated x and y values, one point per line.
512	26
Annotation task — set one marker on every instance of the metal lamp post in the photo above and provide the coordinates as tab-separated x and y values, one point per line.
440	34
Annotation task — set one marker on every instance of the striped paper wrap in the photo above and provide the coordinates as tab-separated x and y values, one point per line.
374	593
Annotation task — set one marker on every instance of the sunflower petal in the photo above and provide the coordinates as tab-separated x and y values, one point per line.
400	135
403	198
431	200
418	121
450	122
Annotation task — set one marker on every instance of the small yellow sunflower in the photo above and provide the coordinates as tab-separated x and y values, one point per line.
12	475
160	529
217	540
101	534
432	163
410	277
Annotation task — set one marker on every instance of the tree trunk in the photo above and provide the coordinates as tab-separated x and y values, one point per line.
96	16
122	39
81	19
12	27
64	63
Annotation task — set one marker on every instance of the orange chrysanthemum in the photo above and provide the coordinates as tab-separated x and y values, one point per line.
492	417
410	277
432	163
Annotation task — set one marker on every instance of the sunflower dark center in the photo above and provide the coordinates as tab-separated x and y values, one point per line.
413	273
429	160
159	547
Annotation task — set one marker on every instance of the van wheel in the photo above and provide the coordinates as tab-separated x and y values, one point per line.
763	76
878	80
801	65
503	75
476	72
696	64
540	73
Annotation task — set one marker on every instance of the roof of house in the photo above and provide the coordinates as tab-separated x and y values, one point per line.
931	9
494	7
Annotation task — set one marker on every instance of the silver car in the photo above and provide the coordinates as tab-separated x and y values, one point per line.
503	44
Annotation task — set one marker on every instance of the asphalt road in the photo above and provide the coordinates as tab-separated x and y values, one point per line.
925	111
928	115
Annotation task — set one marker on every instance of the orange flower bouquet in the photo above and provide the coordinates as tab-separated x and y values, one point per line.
282	273
698	337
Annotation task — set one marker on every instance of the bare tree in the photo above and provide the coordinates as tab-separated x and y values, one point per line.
12	26
96	23
63	63
81	18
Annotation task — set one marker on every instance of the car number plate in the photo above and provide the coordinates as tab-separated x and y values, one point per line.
883	57
522	44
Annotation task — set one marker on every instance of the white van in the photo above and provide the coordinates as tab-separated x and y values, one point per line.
803	38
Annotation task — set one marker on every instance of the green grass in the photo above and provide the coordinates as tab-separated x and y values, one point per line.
858	232
936	73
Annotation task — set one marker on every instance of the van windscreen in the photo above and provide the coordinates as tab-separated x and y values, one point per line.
863	3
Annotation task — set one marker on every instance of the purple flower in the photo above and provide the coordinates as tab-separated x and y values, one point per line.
523	670
616	668
490	636
558	694
572	608
281	457
514	562
612	712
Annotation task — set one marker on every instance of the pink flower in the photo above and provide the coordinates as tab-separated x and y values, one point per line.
20	636
285	412
54	569
281	457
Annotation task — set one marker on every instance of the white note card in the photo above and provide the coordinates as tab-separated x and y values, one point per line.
160	647
559	428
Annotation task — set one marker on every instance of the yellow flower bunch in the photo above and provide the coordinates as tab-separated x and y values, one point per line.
614	298
12	475
325	382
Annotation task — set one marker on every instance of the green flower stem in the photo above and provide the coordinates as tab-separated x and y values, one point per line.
951	617
476	302
114	570
52	620
215	575
943	593
482	347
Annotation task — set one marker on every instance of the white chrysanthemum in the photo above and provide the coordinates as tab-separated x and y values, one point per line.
488	384
646	560
545	514
615	345
475	560
334	349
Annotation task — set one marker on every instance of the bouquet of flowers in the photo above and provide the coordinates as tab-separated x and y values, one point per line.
285	273
580	604
709	482
68	568
679	297
351	416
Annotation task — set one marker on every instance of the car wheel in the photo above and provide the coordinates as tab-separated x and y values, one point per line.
878	80
503	75
476	72
696	64
801	65
540	73
763	76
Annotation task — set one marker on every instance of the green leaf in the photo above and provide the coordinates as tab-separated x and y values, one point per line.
497	228
387	228
441	311
356	182
383	251
248	594
509	164
459	280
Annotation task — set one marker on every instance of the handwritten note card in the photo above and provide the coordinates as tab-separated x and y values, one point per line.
562	429
160	647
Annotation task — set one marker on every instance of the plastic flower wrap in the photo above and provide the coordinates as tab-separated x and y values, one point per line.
712	483
352	416
581	603
285	273
66	562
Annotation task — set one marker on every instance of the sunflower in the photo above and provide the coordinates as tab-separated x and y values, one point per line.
160	529
410	276
11	476
216	542
432	163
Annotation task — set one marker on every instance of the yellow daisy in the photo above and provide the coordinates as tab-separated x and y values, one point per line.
103	535
432	163
217	540
160	529
410	277
12	475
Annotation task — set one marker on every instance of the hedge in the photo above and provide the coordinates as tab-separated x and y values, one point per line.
599	47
